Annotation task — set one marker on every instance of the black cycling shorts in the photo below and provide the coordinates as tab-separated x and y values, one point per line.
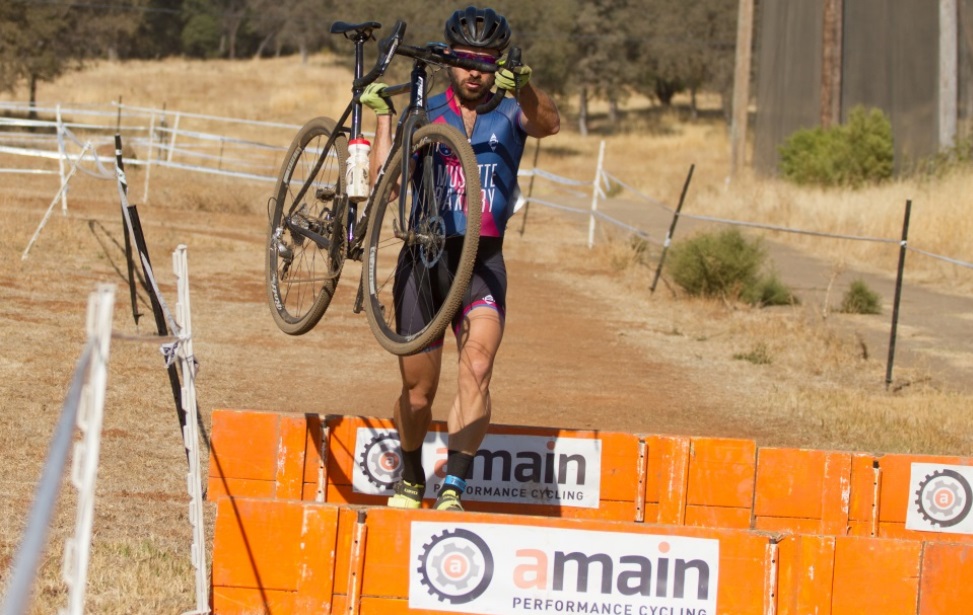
488	286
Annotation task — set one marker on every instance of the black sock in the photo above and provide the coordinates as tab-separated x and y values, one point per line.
412	467
457	464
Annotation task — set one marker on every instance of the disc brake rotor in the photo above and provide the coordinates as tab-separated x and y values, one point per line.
432	240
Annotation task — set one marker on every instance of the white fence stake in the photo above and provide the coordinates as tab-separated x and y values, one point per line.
148	159
60	160
187	364
172	140
595	189
84	469
84	404
64	187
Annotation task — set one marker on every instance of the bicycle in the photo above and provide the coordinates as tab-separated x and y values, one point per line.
315	226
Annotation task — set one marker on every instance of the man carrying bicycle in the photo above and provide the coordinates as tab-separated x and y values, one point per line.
498	138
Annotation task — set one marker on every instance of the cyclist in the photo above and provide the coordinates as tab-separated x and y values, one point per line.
498	139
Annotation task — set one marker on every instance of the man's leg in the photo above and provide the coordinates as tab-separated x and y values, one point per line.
413	413
469	416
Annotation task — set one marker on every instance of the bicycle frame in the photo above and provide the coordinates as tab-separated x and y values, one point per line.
412	118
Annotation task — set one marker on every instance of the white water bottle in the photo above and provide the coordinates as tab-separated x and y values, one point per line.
356	176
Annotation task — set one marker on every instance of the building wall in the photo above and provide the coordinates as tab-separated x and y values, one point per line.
890	60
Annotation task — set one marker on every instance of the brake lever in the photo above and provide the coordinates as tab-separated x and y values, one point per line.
513	61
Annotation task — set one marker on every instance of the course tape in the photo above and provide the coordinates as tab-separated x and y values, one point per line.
605	178
638	193
785	229
947	259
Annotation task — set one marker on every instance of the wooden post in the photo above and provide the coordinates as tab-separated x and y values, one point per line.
831	63
741	86
948	83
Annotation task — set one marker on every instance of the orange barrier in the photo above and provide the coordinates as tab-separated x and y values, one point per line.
298	557
796	531
678	480
293	557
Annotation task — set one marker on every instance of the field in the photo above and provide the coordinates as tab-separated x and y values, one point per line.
586	345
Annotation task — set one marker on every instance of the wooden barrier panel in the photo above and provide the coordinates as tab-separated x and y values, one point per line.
721	482
805	575
945	583
876	575
667	479
804	491
243	454
273	556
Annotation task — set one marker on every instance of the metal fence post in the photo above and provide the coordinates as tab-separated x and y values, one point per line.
903	246
672	229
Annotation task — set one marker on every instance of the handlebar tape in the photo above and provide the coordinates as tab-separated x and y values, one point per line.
513	61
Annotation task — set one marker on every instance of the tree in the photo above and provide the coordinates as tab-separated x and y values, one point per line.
39	42
690	45
110	30
158	34
542	29
601	70
213	27
201	35
233	14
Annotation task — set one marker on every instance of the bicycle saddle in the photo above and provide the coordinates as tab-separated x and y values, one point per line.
341	27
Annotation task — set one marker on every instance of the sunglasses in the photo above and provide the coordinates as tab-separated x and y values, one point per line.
476	57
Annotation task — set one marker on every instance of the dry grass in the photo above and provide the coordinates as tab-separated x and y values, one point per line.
820	386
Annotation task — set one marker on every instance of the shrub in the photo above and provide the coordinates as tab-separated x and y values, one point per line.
726	264
769	290
848	155
860	299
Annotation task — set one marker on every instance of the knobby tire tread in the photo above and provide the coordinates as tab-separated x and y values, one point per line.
385	331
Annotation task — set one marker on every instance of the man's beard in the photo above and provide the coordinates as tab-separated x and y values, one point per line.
466	96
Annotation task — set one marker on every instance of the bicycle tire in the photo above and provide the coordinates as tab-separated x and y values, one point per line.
301	275
386	253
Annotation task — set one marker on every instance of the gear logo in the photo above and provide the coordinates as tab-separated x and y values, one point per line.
944	498
380	461
456	566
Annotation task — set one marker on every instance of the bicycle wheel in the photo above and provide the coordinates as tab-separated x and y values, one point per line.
412	253
306	242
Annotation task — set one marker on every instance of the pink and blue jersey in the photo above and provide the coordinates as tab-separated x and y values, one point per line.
498	142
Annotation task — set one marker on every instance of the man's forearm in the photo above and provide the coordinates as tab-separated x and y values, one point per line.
540	113
381	146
